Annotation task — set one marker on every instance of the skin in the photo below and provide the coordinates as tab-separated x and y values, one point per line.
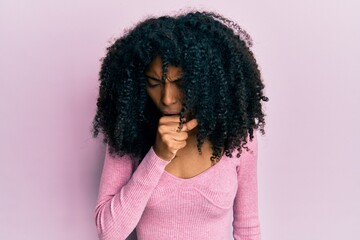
168	99
178	147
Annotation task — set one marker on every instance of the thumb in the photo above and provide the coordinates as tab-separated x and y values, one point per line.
188	126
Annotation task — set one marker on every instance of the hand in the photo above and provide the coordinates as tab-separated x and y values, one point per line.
168	141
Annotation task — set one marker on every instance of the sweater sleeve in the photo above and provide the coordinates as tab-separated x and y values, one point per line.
124	193
246	224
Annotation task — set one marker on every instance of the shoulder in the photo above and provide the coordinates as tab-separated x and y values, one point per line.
248	152
120	162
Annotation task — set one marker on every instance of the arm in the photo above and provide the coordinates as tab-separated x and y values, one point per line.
123	194
246	224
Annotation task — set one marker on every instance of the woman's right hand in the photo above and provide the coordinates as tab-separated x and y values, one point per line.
168	141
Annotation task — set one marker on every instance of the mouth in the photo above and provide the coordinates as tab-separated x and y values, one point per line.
188	114
171	114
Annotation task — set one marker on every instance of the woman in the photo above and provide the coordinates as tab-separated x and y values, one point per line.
180	98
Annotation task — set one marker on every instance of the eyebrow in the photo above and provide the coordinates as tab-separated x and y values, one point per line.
159	80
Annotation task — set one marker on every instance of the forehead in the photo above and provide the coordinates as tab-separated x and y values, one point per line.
155	67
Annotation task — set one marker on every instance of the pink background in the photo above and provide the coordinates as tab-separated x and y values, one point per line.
308	168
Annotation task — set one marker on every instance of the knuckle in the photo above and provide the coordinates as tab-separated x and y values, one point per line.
161	120
183	144
171	145
161	129
165	139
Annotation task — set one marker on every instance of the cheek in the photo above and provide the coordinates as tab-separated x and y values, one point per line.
153	94
180	93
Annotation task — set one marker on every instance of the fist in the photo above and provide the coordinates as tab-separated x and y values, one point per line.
169	139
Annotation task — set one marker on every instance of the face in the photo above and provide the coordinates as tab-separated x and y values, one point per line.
167	96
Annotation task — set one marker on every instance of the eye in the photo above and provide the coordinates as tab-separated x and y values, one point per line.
179	82
151	83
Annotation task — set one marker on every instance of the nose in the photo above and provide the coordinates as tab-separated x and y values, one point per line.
169	94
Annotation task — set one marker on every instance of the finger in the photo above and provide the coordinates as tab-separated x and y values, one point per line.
170	118
178	144
188	126
175	136
181	136
173	143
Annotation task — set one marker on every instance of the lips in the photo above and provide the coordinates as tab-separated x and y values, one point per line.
170	113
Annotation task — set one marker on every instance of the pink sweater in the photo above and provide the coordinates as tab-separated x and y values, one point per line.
145	202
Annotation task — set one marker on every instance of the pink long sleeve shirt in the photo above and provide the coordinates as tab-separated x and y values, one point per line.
145	202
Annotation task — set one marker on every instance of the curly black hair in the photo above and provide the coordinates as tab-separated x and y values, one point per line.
222	83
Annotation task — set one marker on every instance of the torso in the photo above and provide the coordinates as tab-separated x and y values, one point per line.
188	162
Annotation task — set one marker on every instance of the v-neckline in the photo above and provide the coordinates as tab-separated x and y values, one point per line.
198	175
